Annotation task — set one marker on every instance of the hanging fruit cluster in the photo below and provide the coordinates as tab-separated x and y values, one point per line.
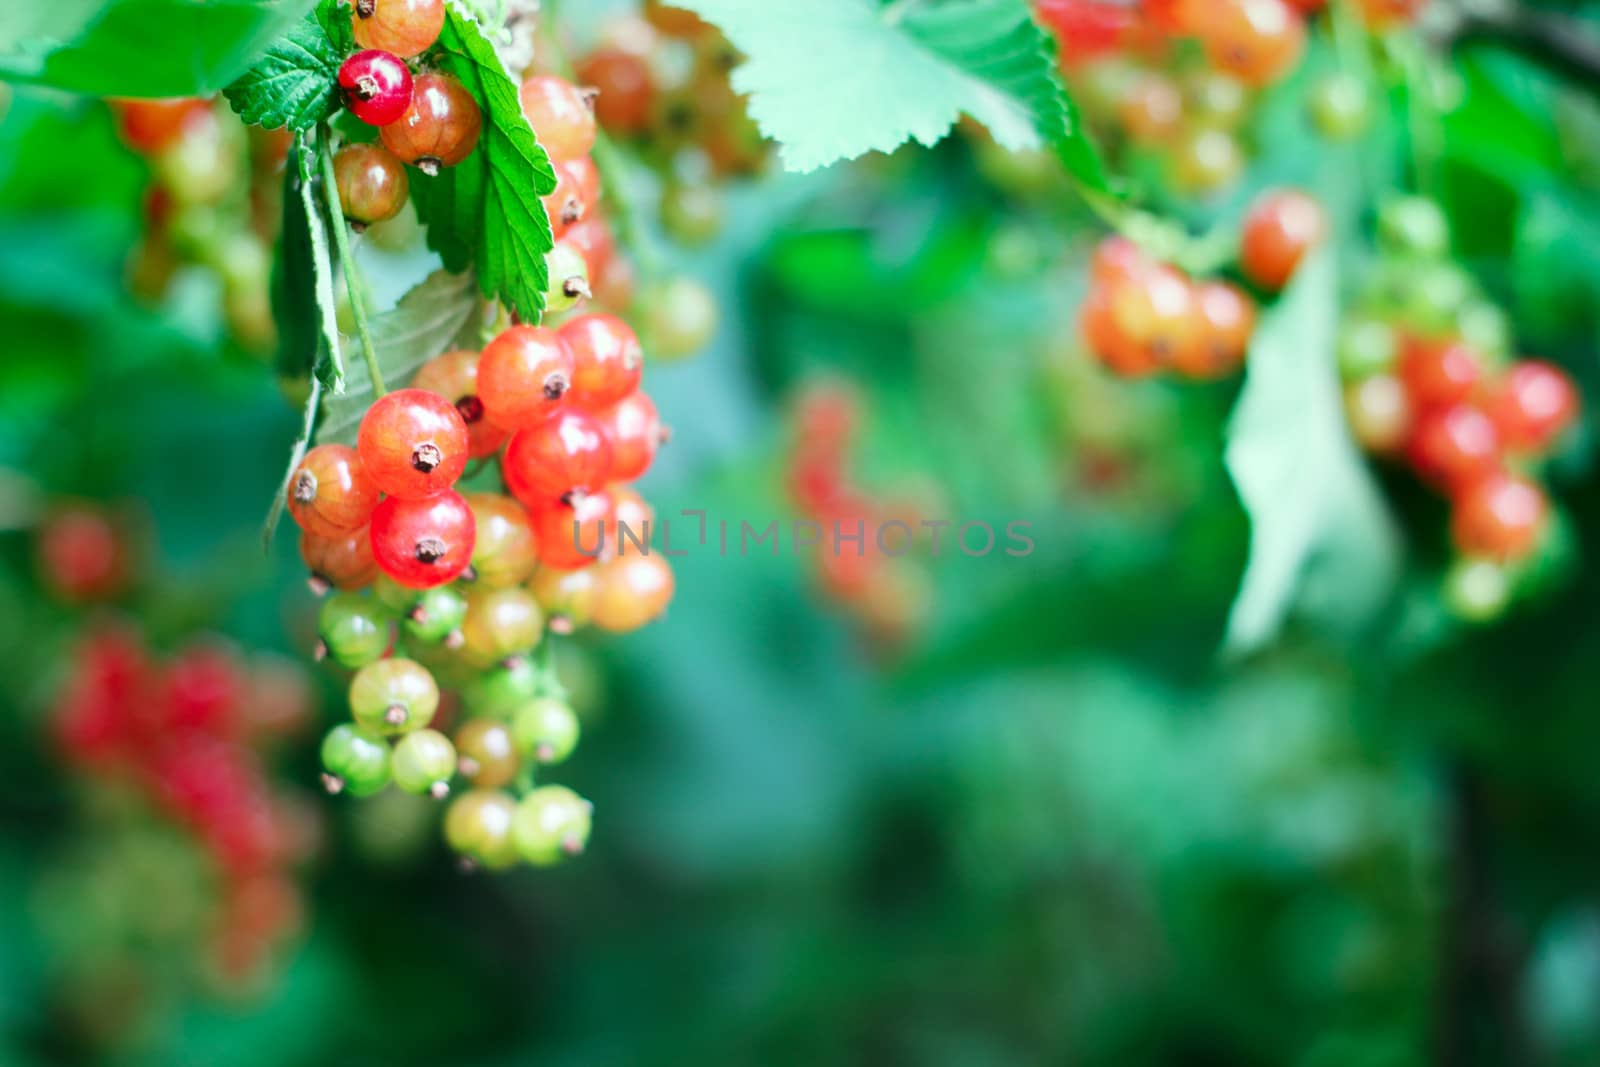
199	213
866	545
450	584
188	736
1142	81
1143	317
1431	380
662	84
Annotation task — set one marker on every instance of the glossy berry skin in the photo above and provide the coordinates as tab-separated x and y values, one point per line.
393	696
376	85
566	453
355	762
413	443
561	116
330	494
372	183
566	597
1227	321
440	128
1454	447
1378	409
551	823
1149	319
505	551
343	562
1257	41
545	729
478	826
523	375
1439	375
1532	405
436	615
454	376
573	536
1499	517
607	359
626	89
423	543
486	756
568	272
633	590
405	28
423	763
1281	228
354	630
500	624
633	428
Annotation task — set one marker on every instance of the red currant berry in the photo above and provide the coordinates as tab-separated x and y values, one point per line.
626	90
634	429
561	114
505	551
1152	111
440	128
566	453
1532	405
1454	446
148	126
1383	14
413	443
607	360
376	86
454	376
572	535
1439	375
1500	517
564	204
523	375
1379	411
330	493
404	27
1116	259
632	590
486	755
82	555
1227	321
592	237
342	562
1282	226
423	543
372	183
1257	41
1151	319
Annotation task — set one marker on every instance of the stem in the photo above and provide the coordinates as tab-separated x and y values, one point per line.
353	282
1424	132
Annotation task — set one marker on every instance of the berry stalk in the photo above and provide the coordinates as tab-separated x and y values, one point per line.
352	272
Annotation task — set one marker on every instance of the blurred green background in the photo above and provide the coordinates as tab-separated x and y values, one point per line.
1056	825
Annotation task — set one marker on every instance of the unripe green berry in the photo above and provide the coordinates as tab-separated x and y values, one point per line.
1340	106
1477	590
1414	226
1366	347
356	762
500	690
424	762
545	729
568	272
436	615
478	826
691	212
679	317
551	823
393	696
354	629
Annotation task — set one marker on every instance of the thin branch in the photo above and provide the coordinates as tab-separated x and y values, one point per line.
352	273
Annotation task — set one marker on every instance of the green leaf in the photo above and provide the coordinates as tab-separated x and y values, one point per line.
485	212
833	79
296	454
330	369
1322	539
296	84
423	324
138	47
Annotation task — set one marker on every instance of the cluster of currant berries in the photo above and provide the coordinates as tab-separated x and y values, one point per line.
199	213
1430	378
864	557
468	584
188	737
1133	69
1143	317
426	119
662	79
